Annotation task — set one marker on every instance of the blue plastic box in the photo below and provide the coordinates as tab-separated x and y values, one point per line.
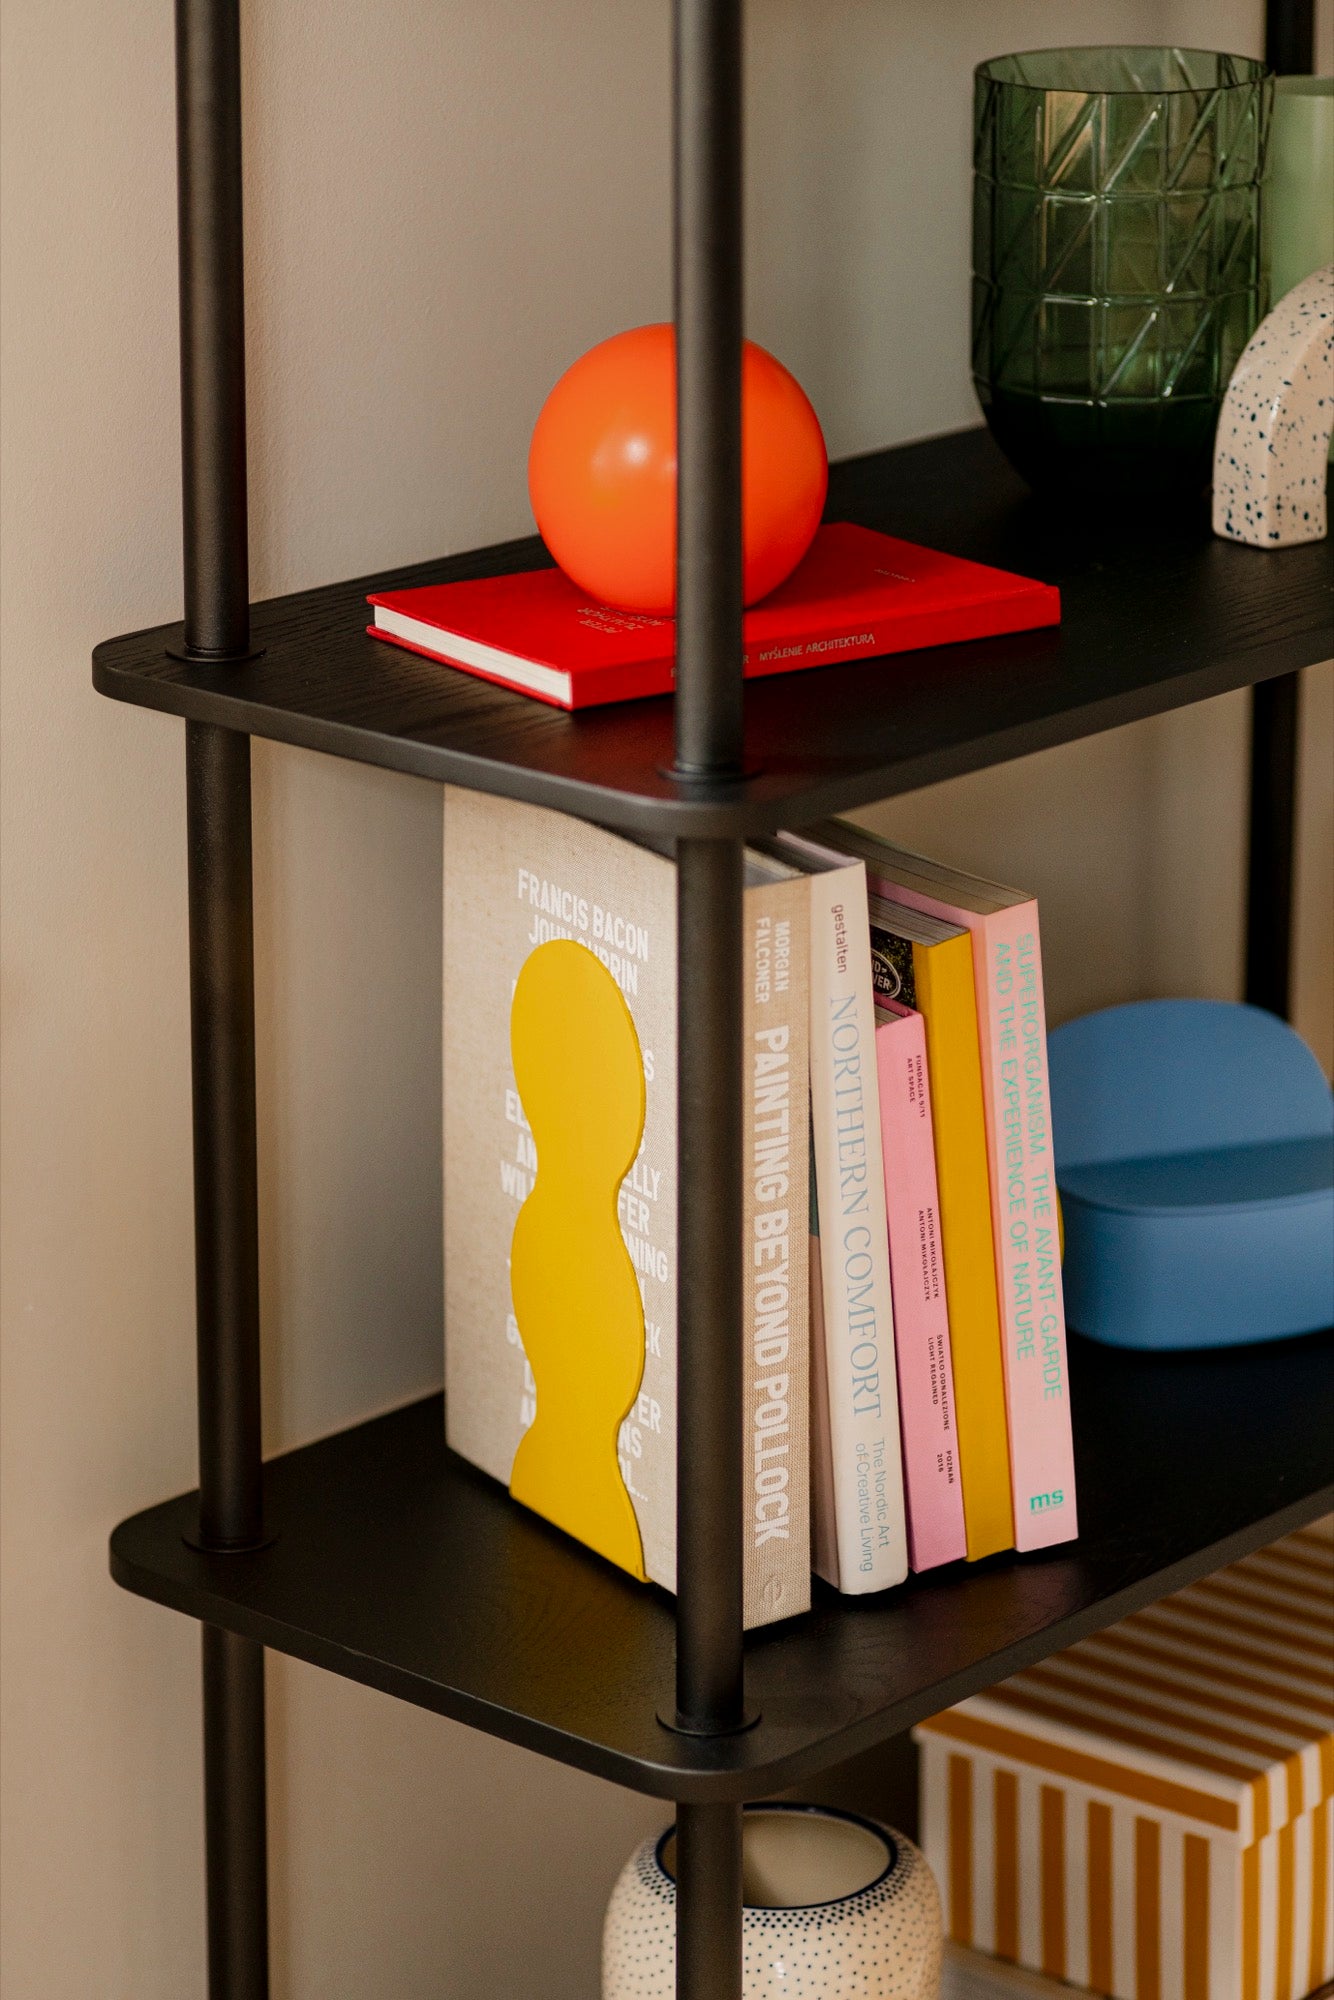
1194	1145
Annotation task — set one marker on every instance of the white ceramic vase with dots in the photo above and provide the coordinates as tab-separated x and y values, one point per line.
836	1908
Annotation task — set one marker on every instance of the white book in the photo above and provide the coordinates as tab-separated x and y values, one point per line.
860	1537
776	1142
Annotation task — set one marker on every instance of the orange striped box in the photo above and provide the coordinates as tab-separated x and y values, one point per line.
1150	1813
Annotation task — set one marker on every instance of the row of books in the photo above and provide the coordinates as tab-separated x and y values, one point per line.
906	1390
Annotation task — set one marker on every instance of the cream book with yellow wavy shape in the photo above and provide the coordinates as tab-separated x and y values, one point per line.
516	877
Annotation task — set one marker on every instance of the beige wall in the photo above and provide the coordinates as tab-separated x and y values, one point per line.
447	202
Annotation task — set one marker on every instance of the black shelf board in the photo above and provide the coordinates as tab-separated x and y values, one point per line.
396	1564
1157	613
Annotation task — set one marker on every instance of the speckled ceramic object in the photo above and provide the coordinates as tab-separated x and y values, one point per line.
1272	445
837	1908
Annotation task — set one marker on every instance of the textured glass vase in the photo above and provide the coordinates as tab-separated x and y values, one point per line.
1117	269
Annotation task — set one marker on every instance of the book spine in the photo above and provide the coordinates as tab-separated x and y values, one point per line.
1007	966
948	1003
776	1302
824	1524
865	1462
478	673
876	637
931	1474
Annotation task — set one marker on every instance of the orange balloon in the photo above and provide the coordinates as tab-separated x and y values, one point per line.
602	471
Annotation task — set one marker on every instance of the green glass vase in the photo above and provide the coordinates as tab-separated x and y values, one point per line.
1117	269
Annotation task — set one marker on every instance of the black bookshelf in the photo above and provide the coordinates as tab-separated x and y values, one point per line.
1156	613
375	1553
397	1564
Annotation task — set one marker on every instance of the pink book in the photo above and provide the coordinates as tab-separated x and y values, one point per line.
1012	1023
931	1482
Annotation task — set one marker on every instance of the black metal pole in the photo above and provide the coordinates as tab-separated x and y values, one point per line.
708	281
708	743
708	1886
1290	36
709	1659
1289	51
222	1005
213	462
709	1417
235	1851
1272	843
222	1028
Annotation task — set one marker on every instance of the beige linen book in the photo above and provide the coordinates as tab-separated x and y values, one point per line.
776	1295
514	877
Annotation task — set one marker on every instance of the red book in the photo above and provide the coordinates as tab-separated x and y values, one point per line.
854	595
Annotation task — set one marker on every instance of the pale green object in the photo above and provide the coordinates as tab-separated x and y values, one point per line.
1299	200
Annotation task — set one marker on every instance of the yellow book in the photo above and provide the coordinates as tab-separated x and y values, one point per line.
926	963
